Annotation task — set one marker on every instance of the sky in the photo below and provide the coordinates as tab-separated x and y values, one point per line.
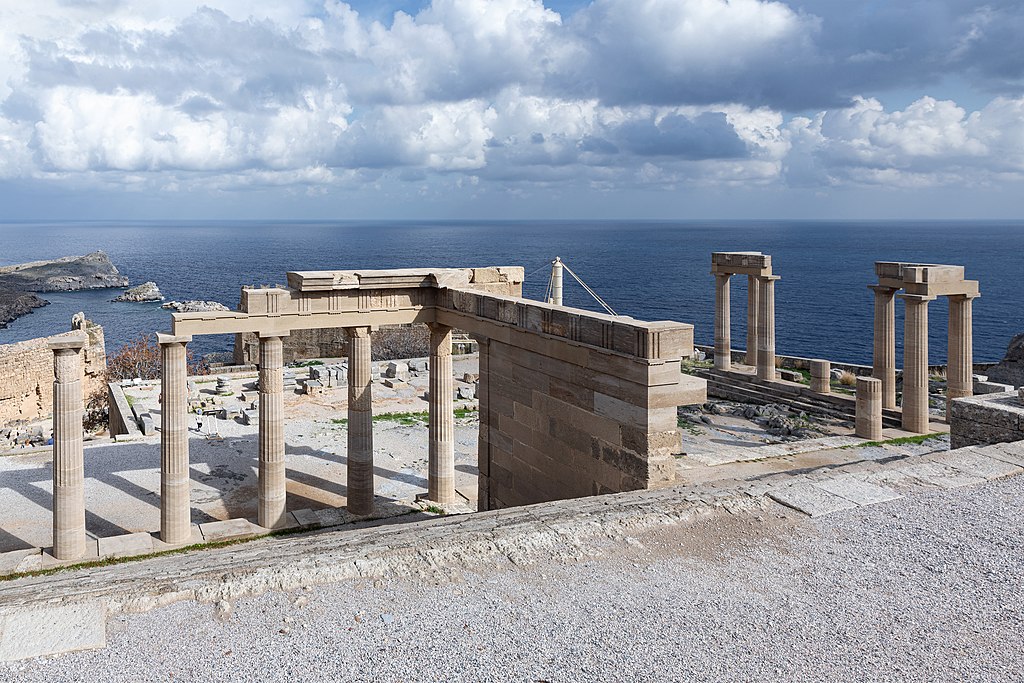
444	109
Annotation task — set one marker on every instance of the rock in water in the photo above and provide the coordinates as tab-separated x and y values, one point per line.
1010	369
147	291
195	306
68	274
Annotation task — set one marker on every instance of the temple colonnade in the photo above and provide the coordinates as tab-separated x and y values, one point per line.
760	346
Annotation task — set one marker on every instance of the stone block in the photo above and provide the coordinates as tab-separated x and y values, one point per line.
466	393
857	491
146	425
397	370
992	388
250	416
17	561
393	382
126	545
231	529
485	275
790	375
810	499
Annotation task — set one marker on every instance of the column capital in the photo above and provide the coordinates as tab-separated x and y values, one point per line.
358	331
963	297
882	289
164	339
272	335
75	342
725	276
438	327
916	298
768	278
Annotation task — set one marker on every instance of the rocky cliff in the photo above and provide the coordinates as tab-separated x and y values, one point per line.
1010	370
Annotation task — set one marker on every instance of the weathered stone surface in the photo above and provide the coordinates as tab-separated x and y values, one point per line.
857	490
810	499
126	544
226	530
977	464
46	630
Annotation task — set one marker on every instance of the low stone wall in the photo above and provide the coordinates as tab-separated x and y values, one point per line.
986	419
26	375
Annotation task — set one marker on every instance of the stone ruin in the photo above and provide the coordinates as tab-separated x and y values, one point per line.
571	403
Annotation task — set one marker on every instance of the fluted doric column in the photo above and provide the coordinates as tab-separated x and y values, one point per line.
484	440
869	408
766	326
441	468
753	310
723	341
884	361
175	504
960	364
68	461
915	363
272	482
360	422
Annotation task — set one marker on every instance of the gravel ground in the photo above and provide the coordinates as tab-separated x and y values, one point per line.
925	588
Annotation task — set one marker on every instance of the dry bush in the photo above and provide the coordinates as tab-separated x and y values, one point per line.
408	341
848	379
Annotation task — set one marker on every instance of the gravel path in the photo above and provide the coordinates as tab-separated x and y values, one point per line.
924	588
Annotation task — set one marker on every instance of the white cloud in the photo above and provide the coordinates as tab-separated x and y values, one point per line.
222	94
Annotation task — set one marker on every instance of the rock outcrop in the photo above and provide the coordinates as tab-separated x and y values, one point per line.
1010	370
68	274
14	304
147	291
195	306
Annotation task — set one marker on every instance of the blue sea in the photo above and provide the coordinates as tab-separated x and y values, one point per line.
653	270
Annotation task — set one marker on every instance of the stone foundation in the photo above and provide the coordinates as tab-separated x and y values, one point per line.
986	419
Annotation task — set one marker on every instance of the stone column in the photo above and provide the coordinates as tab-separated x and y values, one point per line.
752	314
360	423
175	504
869	408
441	428
483	450
723	343
960	365
68	462
272	484
915	363
821	376
766	327
884	362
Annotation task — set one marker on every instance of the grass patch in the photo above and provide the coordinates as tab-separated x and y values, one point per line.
435	510
339	421
690	366
131	400
900	441
689	426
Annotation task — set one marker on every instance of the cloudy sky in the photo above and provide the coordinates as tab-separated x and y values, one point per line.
511	108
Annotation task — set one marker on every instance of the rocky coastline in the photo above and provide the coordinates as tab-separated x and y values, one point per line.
20	283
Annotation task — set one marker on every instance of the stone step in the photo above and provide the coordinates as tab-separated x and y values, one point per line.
742	387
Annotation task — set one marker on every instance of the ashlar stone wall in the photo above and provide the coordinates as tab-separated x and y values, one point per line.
26	375
572	403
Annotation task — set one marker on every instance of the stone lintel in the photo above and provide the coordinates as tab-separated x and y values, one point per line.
740	263
279	334
329	280
164	338
74	340
916	298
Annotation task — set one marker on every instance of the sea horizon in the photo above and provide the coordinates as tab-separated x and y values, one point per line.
623	260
